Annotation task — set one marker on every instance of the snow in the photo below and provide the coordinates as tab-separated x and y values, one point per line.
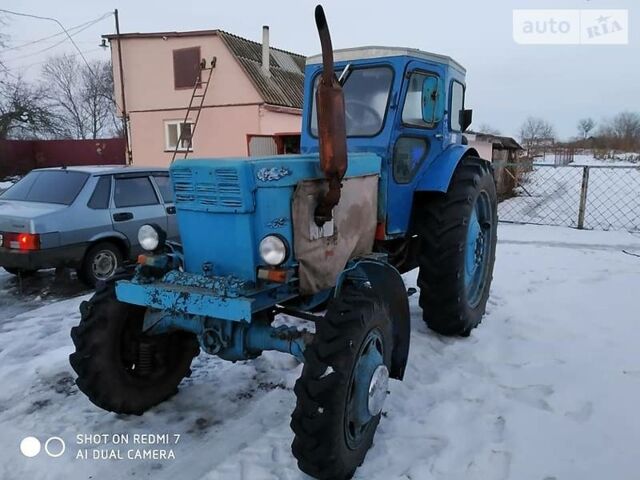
620	160
551	195
546	388
5	185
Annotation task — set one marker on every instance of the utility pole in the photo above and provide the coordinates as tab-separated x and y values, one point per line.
125	118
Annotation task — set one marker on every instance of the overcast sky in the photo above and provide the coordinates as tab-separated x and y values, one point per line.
506	82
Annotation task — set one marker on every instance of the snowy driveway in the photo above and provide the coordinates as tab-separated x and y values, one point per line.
547	387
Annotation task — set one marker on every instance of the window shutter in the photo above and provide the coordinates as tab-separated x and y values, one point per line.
186	67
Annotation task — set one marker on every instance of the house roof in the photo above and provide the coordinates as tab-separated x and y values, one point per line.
284	87
507	143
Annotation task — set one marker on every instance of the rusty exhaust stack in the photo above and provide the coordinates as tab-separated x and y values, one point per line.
332	132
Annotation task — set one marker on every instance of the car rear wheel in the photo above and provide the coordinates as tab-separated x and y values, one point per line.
100	263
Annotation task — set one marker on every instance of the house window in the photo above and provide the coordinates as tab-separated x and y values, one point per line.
176	130
186	67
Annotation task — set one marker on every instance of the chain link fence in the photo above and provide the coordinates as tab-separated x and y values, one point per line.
598	197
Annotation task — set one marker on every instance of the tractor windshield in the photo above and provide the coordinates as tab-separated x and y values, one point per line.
366	94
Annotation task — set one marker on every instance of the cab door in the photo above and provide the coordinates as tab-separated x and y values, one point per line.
135	202
418	138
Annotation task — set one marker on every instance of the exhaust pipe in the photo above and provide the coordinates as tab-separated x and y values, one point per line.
332	132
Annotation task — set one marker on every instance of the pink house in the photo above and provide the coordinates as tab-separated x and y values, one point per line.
255	91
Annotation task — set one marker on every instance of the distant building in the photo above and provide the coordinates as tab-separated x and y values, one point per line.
255	91
505	155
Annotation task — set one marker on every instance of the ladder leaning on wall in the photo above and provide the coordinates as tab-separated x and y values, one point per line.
195	105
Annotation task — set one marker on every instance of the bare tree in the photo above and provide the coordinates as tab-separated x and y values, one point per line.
80	97
22	111
536	133
585	126
488	129
622	132
4	41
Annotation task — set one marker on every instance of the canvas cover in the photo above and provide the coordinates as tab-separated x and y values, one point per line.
323	253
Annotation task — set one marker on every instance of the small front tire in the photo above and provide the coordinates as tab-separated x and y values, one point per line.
119	368
342	386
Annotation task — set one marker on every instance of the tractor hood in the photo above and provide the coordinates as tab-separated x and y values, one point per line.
225	207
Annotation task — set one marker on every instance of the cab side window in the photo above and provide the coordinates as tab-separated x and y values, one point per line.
423	88
457	105
408	155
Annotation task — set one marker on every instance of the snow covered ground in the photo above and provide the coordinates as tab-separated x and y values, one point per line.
551	195
546	389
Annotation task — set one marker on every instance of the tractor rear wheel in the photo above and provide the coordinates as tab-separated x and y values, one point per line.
343	385
457	233
120	368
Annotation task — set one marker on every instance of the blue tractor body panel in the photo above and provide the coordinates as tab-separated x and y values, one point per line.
436	177
225	207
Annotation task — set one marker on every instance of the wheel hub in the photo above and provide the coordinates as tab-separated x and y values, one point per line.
477	249
368	390
104	264
378	390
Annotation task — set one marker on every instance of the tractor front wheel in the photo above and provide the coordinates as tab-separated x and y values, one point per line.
120	368
457	232
343	385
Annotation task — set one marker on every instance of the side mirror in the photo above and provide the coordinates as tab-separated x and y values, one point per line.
430	94
466	117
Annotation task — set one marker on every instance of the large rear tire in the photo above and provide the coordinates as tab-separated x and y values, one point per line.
343	385
119	368
457	233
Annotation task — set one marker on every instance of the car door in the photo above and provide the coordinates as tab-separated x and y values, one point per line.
165	188
135	203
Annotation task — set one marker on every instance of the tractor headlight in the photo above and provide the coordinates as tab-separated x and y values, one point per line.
273	250
151	237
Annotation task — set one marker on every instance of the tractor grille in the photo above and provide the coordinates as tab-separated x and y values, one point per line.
217	189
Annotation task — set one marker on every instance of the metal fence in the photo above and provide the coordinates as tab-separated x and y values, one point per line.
598	197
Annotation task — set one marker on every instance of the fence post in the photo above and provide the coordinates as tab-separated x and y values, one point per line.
583	197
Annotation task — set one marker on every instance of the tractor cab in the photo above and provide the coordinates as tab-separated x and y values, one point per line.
405	105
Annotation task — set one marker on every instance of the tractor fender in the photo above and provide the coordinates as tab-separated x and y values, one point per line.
437	176
387	283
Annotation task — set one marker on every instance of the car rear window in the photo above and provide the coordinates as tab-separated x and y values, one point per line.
48	186
100	198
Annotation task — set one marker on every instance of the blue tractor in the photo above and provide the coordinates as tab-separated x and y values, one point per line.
385	183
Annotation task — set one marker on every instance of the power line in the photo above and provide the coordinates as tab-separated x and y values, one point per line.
49	37
59	24
24	67
50	47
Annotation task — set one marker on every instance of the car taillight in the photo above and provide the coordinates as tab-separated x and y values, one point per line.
21	241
